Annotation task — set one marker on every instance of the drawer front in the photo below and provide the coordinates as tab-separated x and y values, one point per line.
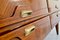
52	5
33	31
27	12
38	4
25	33
54	19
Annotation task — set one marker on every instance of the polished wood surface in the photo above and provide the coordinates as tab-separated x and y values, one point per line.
43	30
35	25
6	8
38	5
39	30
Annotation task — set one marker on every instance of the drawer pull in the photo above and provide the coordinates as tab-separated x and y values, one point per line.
29	30
26	13
15	38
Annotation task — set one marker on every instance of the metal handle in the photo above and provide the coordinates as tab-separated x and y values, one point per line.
29	30
26	13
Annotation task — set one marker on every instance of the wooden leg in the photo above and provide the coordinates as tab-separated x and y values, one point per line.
57	29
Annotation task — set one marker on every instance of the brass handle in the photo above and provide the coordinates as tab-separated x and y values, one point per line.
26	13
29	30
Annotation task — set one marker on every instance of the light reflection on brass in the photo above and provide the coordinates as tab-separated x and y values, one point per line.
26	13
29	29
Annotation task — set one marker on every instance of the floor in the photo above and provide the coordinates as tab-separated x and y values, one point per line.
52	35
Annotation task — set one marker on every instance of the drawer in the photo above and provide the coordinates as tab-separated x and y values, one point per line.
52	5
38	4
54	19
21	33
27	12
33	31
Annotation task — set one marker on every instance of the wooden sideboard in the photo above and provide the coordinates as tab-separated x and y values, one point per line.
28	19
